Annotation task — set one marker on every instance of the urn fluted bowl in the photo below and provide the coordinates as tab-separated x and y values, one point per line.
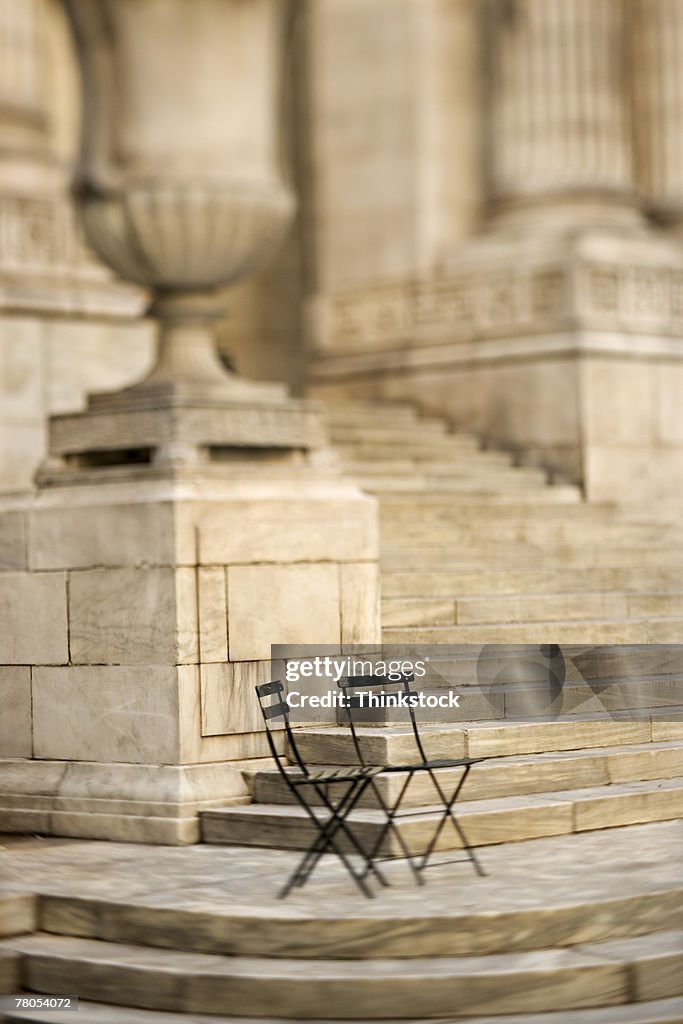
181	186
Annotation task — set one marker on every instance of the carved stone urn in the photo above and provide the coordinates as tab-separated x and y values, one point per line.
182	191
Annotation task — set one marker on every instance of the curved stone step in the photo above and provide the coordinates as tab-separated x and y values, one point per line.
597	974
661	1011
562	920
17	913
10	973
545	893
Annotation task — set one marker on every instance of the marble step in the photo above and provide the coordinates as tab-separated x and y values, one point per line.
363	447
381	414
10	972
419	432
17	913
471	664
448	515
594	974
516	775
530	531
660	1011
495	582
394	745
447	512
556	494
546	893
529	608
460	462
507	480
486	822
654	630
524	556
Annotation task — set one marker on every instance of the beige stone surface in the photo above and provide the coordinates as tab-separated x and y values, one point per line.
631	803
34	619
21	340
310	531
229	704
669	425
15	720
76	537
147	803
524	982
10	972
13	541
196	748
133	616
213	614
17	914
360	603
621	402
23	443
281	604
85	357
106	713
48	366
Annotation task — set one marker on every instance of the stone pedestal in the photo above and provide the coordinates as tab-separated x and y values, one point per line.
184	524
138	617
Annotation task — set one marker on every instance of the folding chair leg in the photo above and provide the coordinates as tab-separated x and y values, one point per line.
298	879
390	826
340	821
449	814
326	839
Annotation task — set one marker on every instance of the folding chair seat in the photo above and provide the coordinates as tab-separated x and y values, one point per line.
329	817
352	704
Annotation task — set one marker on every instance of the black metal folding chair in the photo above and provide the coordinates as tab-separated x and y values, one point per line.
354	702
330	816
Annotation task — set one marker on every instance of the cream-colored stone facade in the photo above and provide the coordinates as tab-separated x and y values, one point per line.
476	204
487	225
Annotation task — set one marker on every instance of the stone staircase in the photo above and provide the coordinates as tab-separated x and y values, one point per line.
478	550
577	820
539	779
475	550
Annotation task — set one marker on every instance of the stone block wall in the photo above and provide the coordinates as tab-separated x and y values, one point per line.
136	632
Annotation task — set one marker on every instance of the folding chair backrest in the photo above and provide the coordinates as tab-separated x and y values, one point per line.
274	711
352	687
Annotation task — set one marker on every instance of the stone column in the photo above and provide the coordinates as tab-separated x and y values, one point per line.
658	92
558	116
